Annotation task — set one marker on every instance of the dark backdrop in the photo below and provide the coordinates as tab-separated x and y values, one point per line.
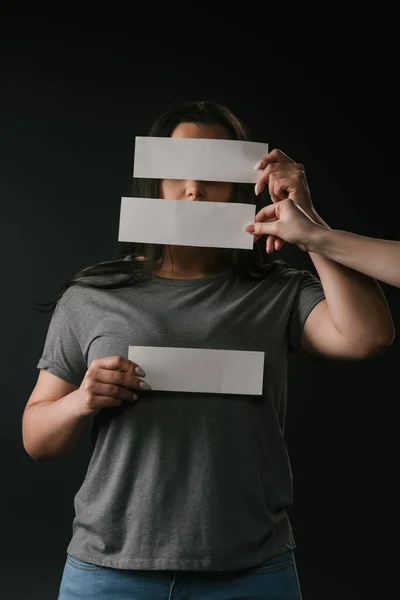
71	103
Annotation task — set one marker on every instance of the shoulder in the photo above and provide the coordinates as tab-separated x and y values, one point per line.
289	286
78	297
89	289
73	296
282	274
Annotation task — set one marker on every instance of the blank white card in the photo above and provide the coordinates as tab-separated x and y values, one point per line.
197	159
186	223
200	370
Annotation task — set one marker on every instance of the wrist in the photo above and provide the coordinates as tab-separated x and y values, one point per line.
317	219
81	411
317	238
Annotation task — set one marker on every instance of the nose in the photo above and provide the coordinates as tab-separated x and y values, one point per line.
195	190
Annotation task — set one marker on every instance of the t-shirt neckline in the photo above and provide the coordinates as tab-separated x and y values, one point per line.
209	279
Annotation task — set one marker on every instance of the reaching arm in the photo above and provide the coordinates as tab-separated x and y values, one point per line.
373	257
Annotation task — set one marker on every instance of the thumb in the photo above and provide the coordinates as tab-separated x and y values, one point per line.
260	229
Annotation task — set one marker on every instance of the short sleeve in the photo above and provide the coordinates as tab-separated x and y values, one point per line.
309	293
62	353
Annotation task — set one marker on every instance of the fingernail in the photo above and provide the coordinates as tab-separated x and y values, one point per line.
140	372
135	397
256	189
250	228
258	165
144	386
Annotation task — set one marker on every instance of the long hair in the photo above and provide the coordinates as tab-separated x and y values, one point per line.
128	268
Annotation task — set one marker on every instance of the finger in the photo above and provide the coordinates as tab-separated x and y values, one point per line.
118	362
270	244
266	228
273	241
124	379
291	167
271	167
271	185
107	401
114	391
250	229
284	168
283	186
277	155
267	213
274	156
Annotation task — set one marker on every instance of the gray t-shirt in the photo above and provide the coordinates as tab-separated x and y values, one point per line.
185	481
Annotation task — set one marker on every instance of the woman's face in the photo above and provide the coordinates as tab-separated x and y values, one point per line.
186	189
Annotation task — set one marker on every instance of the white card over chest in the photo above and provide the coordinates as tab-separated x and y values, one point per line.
197	159
200	370
186	223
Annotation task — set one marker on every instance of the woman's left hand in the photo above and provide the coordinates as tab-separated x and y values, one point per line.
285	179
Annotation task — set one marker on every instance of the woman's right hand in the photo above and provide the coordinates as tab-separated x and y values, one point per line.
109	382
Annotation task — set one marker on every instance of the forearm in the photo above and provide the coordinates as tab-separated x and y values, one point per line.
376	258
356	303
53	428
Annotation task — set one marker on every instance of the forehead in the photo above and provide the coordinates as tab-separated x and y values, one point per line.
200	130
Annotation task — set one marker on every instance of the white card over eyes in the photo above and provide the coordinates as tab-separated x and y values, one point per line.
200	370
197	159
186	223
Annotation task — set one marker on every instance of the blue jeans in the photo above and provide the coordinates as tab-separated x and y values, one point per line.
276	579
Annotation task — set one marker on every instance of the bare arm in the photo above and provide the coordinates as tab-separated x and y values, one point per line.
354	320
57	411
53	421
374	257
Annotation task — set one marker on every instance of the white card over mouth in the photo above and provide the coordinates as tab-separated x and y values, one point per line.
200	370
186	223
197	159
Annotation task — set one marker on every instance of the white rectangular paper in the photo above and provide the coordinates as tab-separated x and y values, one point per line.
200	370
197	159
186	223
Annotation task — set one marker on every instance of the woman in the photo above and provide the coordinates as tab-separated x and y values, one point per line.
186	495
285	220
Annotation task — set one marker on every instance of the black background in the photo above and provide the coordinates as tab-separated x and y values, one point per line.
320	86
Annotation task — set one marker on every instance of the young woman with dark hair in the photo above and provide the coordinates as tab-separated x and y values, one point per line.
187	495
